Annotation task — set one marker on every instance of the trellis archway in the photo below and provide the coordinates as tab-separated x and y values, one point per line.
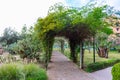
61	42
81	31
71	23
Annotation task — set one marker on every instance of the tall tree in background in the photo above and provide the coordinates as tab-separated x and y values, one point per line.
9	36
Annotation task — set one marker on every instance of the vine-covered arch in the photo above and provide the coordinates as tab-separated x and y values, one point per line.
71	23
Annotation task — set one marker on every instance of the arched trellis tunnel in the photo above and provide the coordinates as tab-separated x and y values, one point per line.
75	36
73	24
61	43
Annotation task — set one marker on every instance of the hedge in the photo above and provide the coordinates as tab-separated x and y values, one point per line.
116	72
101	65
13	71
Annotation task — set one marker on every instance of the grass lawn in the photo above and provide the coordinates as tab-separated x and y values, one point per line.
88	57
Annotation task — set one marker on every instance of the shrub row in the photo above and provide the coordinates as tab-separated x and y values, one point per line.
116	72
101	65
14	71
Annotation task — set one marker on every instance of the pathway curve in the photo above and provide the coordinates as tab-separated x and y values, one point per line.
104	74
61	68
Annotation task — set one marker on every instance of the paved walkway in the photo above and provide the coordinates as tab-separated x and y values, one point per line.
104	74
61	68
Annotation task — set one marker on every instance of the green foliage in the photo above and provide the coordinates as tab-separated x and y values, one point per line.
12	48
101	39
72	23
95	19
24	48
116	72
107	30
9	36
24	32
28	47
61	18
33	72
117	47
15	71
11	72
100	65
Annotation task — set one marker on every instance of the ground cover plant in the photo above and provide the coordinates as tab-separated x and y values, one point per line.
15	71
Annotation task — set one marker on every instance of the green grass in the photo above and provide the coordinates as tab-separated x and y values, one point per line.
15	71
11	72
88	57
100	65
113	57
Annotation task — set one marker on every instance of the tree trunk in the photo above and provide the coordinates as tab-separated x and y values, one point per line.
89	47
73	54
62	46
48	47
46	59
103	52
93	49
81	56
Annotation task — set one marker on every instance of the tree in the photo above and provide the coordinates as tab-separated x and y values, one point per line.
103	44
28	46
9	36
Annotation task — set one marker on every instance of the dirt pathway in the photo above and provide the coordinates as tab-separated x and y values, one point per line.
104	74
61	68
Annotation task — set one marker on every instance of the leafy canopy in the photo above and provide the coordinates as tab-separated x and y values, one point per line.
76	24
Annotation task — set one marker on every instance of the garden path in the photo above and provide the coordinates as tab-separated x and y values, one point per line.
61	68
104	74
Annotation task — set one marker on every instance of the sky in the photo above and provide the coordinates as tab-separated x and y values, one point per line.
17	13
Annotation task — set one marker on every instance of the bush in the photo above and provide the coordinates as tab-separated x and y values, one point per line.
116	72
33	72
12	48
117	48
11	72
100	65
22	72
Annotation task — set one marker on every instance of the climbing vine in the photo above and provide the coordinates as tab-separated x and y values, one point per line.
72	23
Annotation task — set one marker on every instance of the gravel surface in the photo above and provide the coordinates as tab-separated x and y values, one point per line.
61	68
